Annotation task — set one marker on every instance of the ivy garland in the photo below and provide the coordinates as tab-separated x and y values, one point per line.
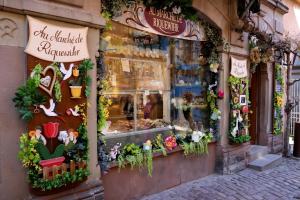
278	101
112	9
239	121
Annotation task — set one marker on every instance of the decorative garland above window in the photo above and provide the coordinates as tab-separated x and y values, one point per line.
278	100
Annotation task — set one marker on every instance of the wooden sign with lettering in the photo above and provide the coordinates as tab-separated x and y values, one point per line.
238	68
54	43
160	22
164	22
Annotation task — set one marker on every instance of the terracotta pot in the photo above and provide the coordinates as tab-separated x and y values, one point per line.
51	129
76	91
75	72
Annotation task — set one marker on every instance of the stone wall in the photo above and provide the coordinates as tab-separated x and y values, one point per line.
13	38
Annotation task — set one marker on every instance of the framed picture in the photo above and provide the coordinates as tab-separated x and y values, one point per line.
243	100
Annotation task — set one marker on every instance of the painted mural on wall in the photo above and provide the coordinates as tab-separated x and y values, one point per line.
239	92
53	102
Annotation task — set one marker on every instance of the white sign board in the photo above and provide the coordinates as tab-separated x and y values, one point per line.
56	43
238	68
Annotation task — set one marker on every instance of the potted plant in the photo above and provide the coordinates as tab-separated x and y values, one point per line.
76	86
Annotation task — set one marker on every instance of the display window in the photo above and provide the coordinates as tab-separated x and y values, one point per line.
154	81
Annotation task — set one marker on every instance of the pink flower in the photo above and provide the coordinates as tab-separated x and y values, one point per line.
220	94
170	142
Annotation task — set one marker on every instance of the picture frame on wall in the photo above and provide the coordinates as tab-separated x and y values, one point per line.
243	100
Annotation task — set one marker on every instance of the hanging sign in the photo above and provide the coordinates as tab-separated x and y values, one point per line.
238	68
160	22
56	43
164	22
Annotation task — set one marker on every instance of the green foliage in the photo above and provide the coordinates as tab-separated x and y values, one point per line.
278	102
132	154
27	95
158	145
84	67
45	154
239	139
60	180
57	90
112	9
28	154
234	80
148	158
198	148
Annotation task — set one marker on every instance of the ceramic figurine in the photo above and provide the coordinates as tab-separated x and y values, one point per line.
67	73
236	128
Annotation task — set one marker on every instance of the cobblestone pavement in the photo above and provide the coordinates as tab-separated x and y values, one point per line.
281	182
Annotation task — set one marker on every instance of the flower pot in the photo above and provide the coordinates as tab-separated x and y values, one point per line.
75	91
50	129
75	72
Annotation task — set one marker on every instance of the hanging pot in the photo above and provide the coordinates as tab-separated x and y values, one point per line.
50	129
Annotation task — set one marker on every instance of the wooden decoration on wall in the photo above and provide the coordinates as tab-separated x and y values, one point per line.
55	148
47	80
50	42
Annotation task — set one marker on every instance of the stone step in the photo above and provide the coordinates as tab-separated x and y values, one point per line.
256	151
266	162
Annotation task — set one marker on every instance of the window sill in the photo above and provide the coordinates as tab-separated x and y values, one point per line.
114	164
141	132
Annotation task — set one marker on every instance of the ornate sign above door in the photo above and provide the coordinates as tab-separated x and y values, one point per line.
160	22
55	43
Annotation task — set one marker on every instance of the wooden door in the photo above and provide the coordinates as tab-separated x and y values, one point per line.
254	99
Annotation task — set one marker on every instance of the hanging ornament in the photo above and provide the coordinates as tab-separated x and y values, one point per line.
245	109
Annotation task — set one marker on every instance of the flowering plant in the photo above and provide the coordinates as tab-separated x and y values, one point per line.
170	142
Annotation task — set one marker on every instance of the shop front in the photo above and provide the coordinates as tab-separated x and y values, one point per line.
158	114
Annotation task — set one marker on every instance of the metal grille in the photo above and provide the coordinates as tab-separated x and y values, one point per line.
295	114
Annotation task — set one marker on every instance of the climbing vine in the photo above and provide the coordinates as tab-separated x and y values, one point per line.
278	101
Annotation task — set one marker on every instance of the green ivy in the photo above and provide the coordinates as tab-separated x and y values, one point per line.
278	121
84	67
27	95
28	153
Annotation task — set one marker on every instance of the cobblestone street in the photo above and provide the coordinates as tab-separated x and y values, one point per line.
281	182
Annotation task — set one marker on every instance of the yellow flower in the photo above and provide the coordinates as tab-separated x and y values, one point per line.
31	134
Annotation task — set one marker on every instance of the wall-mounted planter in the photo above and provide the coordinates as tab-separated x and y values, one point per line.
75	91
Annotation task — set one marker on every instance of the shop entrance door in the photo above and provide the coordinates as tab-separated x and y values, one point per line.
254	99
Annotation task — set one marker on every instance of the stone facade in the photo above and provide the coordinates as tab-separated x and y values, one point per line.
13	38
270	19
